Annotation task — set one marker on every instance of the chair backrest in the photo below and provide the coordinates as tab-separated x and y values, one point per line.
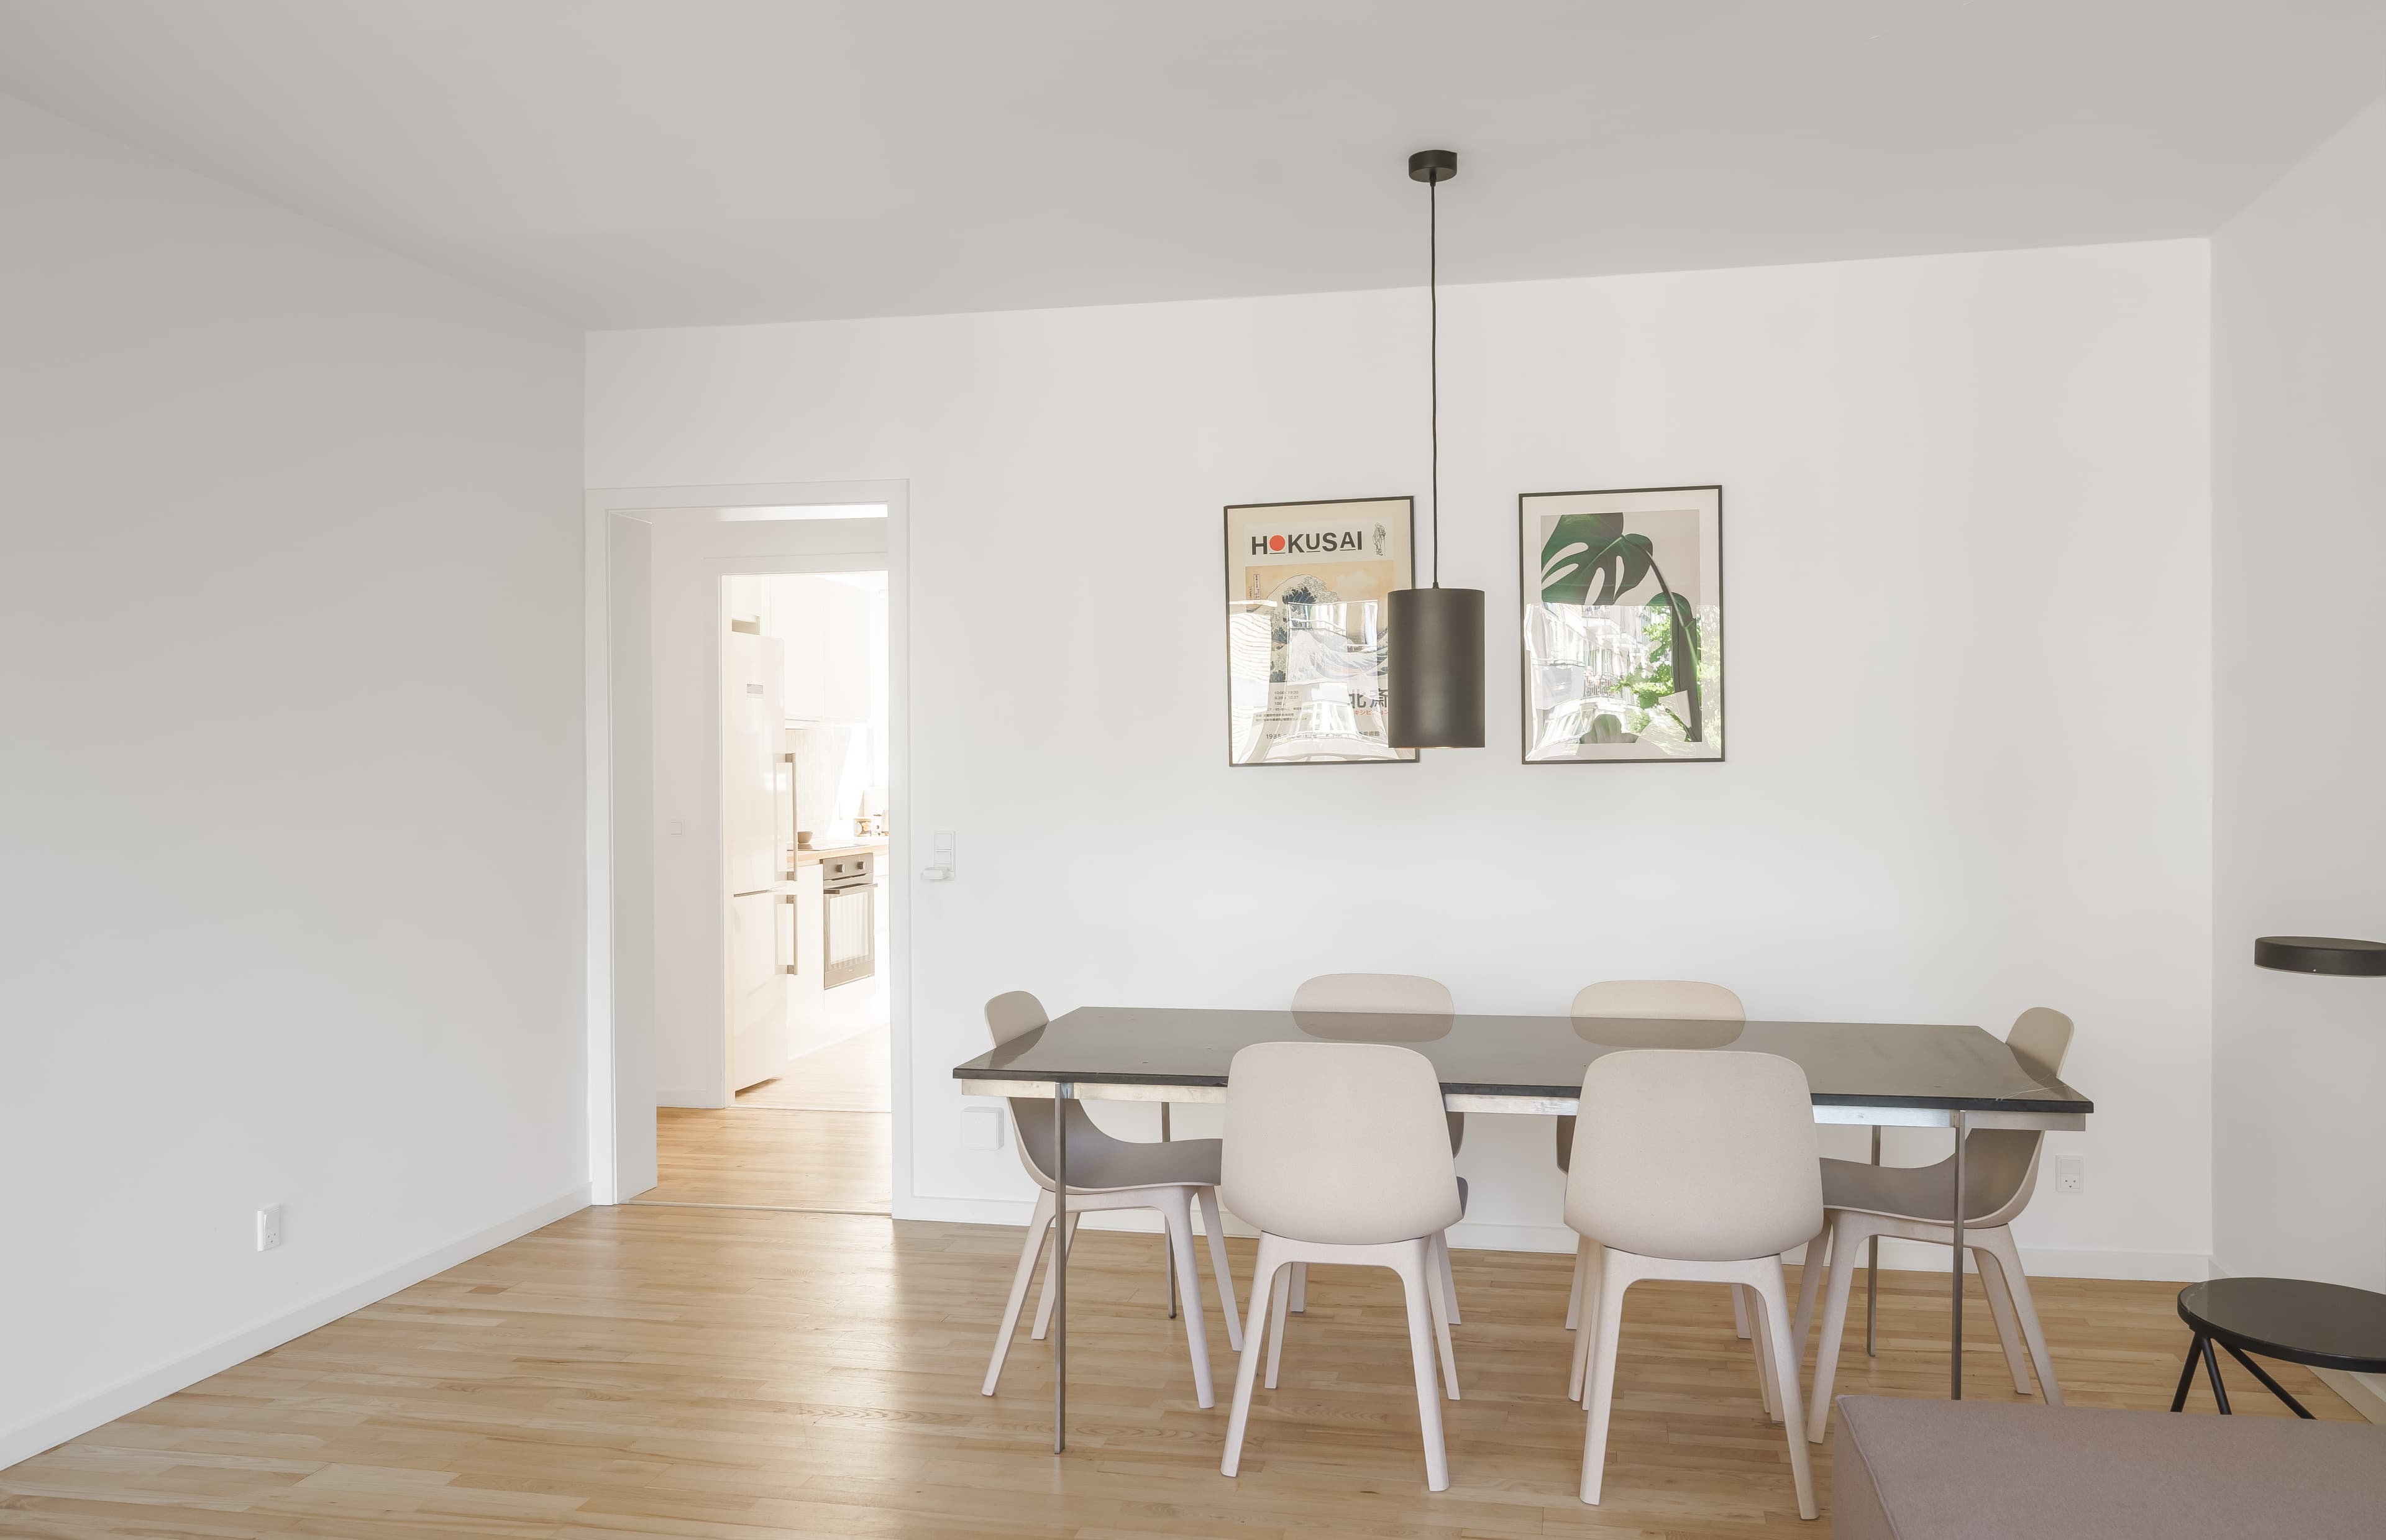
1681	999
1386	993
2001	1164
1015	1015
1701	1157
2042	1036
1340	1143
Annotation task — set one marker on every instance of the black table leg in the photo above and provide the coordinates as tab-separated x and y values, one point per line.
2186	1375
2275	1389
2212	1366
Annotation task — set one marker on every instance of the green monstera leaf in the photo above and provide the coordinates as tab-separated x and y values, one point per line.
1589	559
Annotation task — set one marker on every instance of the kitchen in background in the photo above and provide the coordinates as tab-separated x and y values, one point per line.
804	758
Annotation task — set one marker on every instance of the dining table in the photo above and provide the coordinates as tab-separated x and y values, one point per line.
1874	1074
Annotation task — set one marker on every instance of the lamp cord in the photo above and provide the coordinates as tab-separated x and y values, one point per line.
1433	354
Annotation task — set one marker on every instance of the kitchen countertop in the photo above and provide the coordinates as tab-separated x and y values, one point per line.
822	853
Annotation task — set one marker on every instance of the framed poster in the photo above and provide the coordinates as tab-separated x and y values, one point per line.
1307	585
1623	625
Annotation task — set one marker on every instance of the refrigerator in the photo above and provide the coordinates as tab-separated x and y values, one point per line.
755	806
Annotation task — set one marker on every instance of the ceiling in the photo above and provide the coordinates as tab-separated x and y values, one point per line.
625	163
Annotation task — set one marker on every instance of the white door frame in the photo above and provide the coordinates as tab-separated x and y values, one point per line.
619	1155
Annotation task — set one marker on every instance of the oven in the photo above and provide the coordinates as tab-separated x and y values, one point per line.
848	918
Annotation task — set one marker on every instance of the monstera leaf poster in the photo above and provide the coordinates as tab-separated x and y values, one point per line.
1623	625
1307	585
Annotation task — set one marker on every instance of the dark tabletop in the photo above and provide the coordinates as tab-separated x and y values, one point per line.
2326	1324
1847	1063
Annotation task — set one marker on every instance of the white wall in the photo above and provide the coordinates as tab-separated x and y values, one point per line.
1966	548
289	668
2299	526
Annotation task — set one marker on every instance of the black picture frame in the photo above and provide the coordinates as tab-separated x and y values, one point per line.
1526	597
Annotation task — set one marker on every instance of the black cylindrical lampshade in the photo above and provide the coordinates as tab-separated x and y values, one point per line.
1435	668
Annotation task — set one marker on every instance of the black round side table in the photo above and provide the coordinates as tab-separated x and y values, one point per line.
2320	1325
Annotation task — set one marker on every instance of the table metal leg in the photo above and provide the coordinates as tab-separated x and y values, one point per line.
1060	1093
1955	1333
2212	1366
1168	1253
2186	1374
1872	1274
2275	1388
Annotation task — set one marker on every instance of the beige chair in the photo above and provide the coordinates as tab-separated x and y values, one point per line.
1917	1203
1106	1172
1335	1152
1669	999
1701	1165
1380	994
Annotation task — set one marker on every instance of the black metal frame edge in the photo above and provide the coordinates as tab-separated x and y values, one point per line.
1524	658
1227	571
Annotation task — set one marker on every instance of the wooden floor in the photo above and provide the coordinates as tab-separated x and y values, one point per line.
851	1076
772	1159
815	1138
702	1372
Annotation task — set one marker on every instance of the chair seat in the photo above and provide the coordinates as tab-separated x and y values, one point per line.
1924	1193
1109	1166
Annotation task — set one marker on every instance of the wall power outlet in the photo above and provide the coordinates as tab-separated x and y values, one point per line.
2071	1174
269	1227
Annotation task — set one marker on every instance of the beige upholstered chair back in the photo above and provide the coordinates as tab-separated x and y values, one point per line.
2042	1036
1015	1015
1392	992
1699	1156
1337	1142
1681	999
2001	1164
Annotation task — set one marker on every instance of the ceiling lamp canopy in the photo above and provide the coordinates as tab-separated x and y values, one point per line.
1434	635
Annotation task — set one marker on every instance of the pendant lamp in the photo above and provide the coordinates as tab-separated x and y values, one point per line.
1434	635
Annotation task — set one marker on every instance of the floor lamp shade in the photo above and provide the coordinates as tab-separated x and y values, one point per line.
1435	668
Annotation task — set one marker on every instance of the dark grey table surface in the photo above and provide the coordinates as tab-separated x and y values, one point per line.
1847	1063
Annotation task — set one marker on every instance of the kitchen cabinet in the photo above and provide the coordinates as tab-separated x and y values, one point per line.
827	626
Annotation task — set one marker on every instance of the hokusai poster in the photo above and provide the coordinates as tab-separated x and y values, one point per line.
1623	625
1307	585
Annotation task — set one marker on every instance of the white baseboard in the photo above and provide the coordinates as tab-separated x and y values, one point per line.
709	1100
1486	1235
29	1439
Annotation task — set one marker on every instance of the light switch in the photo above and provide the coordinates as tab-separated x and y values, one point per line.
982	1128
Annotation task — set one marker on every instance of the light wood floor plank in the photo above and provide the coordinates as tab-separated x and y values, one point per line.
728	1375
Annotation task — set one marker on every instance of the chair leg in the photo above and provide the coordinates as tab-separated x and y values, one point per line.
1772	1298
1835	1318
1029	1250
1740	1311
1434	1290
1276	1333
1299	1296
2000	1244
1448	1280
1768	1382
2001	1312
1044	1305
1603	1324
1413	1268
1212	1223
1594	1263
1810	1287
1573	1296
1178	1216
1248	1365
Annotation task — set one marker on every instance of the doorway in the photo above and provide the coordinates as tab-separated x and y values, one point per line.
754	1020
